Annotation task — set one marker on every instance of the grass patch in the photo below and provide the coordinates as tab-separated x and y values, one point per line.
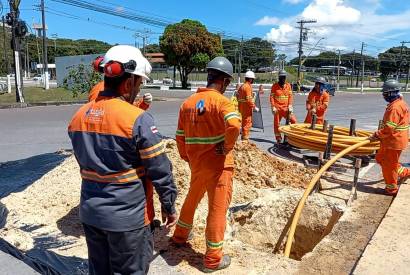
37	94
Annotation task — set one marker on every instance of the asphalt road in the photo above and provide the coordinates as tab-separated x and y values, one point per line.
38	130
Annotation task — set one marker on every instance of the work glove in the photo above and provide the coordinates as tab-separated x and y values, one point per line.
373	137
170	219
290	109
256	109
313	110
147	98
274	110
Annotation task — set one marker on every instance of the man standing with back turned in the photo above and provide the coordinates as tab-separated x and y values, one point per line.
246	104
121	158
393	136
208	128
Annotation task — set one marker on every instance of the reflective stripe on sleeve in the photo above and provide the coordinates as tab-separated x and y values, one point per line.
152	151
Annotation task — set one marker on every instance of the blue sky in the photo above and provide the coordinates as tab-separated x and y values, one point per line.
343	24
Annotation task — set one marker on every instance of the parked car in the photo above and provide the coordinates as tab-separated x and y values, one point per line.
39	77
167	80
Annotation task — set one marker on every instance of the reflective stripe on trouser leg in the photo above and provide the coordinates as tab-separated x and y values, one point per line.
246	126
403	171
184	225
219	197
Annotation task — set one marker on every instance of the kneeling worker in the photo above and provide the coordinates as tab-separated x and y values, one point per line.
393	136
121	158
208	128
317	102
246	104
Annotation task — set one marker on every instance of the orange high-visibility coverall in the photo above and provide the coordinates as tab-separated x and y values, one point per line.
393	138
317	101
94	92
245	106
281	98
208	125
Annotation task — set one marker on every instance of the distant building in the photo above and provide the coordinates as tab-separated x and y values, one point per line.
157	61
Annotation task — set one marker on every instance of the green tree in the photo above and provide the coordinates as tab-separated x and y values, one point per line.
390	61
185	46
152	48
81	79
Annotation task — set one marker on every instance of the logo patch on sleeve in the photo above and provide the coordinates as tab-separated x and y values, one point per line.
200	106
154	129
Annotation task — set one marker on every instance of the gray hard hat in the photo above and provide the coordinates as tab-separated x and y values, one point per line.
221	64
320	79
391	85
283	73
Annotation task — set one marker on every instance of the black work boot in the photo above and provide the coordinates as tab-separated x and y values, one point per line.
225	262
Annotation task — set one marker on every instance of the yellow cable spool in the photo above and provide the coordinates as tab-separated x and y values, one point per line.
301	136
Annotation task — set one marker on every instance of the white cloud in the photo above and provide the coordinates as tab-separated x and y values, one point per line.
344	25
293	2
331	12
282	33
267	21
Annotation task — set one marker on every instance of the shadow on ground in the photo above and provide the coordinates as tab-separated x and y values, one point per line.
18	175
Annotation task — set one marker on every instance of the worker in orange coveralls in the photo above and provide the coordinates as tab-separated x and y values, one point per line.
317	102
393	136
246	104
281	100
208	128
142	103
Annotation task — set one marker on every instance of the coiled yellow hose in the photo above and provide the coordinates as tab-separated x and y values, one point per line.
310	187
301	136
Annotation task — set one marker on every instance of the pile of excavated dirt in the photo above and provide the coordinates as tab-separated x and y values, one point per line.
45	215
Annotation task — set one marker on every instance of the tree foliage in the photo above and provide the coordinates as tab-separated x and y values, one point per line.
188	45
81	79
256	53
392	59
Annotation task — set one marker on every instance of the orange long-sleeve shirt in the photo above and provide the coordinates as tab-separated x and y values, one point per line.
245	100
318	101
207	120
395	132
281	98
95	91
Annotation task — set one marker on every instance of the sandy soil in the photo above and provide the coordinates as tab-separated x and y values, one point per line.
45	215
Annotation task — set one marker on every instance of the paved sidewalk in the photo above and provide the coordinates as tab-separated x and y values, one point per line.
389	249
12	266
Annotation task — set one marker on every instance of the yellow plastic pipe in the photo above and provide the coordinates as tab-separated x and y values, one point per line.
309	189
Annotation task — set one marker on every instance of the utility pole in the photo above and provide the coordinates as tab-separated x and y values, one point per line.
45	60
338	74
361	89
144	35
302	37
353	68
240	61
6	57
361	57
401	58
27	59
15	23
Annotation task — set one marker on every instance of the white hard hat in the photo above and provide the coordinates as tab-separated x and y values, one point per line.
124	54
250	74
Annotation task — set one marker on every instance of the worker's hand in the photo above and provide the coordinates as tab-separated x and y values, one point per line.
313	110
373	137
169	219
256	109
220	149
147	98
290	109
274	110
